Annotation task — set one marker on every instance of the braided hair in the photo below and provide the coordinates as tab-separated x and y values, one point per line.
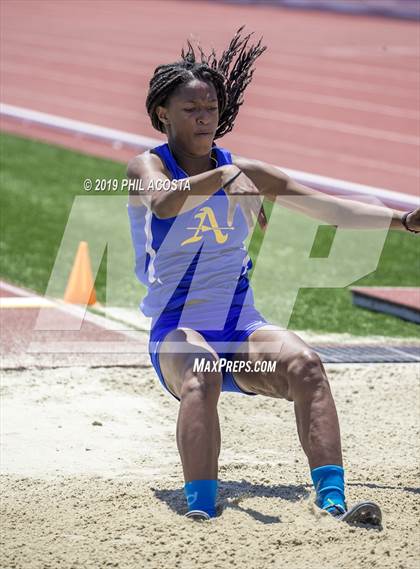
230	75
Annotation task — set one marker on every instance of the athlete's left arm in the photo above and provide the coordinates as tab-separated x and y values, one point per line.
277	186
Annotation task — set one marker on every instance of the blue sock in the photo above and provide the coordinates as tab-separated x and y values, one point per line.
201	495
329	485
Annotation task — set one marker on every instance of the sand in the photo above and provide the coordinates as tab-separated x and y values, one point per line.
91	476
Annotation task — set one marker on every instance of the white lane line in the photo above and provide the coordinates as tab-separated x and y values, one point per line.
347	84
303	150
271	115
73	103
340	102
145	69
271	62
130	91
72	78
17	290
136	69
335	126
332	66
96	131
80	313
24	302
129	53
370	51
71	125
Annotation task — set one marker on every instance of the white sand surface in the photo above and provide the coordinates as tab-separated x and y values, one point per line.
76	494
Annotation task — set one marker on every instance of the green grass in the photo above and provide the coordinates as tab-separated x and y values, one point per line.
40	182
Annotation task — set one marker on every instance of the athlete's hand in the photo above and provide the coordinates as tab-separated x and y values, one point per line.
413	220
243	192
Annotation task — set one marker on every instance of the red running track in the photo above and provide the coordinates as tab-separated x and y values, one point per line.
335	95
65	338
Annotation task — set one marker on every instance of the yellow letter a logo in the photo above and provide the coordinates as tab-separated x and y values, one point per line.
206	214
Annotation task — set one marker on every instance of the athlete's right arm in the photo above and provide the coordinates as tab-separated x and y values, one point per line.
148	169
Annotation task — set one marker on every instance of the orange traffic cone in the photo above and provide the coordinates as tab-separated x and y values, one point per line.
80	289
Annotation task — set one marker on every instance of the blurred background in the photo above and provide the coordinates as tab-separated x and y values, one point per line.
336	94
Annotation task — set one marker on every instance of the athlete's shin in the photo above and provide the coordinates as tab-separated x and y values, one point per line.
198	430
316	415
319	433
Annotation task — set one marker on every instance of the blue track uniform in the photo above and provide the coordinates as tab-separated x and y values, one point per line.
195	269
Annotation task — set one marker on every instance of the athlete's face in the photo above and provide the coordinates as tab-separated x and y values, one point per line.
191	116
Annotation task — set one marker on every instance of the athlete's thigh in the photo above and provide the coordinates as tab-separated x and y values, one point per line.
178	351
268	344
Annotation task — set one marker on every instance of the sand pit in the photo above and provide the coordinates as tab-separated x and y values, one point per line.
92	479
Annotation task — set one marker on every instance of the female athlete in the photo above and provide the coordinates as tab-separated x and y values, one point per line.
188	235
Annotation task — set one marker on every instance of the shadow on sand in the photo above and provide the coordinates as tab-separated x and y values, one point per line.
231	493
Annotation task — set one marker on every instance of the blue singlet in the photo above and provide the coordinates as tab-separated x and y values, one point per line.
195	269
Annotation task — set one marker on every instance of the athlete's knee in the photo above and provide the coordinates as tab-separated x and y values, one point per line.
201	376
305	373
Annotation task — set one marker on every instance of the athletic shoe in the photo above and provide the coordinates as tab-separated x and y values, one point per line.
362	513
197	515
